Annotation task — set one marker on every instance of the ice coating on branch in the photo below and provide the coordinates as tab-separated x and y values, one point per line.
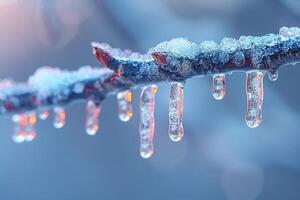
120	54
59	117
52	80
229	45
255	96
147	123
208	46
219	86
124	105
178	47
176	131
92	117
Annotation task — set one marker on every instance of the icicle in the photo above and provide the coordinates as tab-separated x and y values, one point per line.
147	124
44	114
273	76
219	86
92	114
124	105
19	132
30	127
176	131
59	117
255	93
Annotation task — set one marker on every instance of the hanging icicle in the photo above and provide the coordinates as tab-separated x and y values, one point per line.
30	127
255	95
19	132
124	105
219	86
92	117
59	120
176	131
147	124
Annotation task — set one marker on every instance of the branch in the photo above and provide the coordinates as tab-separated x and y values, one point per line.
175	60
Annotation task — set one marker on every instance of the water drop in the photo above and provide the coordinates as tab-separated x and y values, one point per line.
255	94
147	123
176	131
219	86
44	114
273	76
92	117
59	117
124	105
19	133
30	128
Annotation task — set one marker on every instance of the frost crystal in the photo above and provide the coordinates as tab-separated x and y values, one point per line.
208	46
179	47
229	45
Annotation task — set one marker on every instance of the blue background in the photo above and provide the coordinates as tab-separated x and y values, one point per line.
219	157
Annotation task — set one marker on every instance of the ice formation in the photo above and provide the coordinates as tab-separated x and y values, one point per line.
174	61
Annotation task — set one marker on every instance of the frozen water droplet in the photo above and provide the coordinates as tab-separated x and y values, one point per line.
78	88
124	105
270	39
92	117
255	94
219	86
246	42
147	123
273	76
30	128
223	57
19	133
229	45
176	131
239	58
59	120
44	114
208	46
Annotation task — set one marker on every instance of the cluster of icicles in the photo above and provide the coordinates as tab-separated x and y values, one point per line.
24	124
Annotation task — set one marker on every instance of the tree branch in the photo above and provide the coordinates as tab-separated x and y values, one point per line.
175	60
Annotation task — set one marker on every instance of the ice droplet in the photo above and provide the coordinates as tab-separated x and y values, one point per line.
176	131
255	94
59	120
219	86
30	128
124	105
44	114
19	133
273	76
147	123
92	117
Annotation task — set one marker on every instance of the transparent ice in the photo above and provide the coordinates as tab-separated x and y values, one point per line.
92	117
219	86
147	123
59	117
125	105
255	95
176	131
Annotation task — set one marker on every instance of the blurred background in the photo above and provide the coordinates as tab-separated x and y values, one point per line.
219	157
